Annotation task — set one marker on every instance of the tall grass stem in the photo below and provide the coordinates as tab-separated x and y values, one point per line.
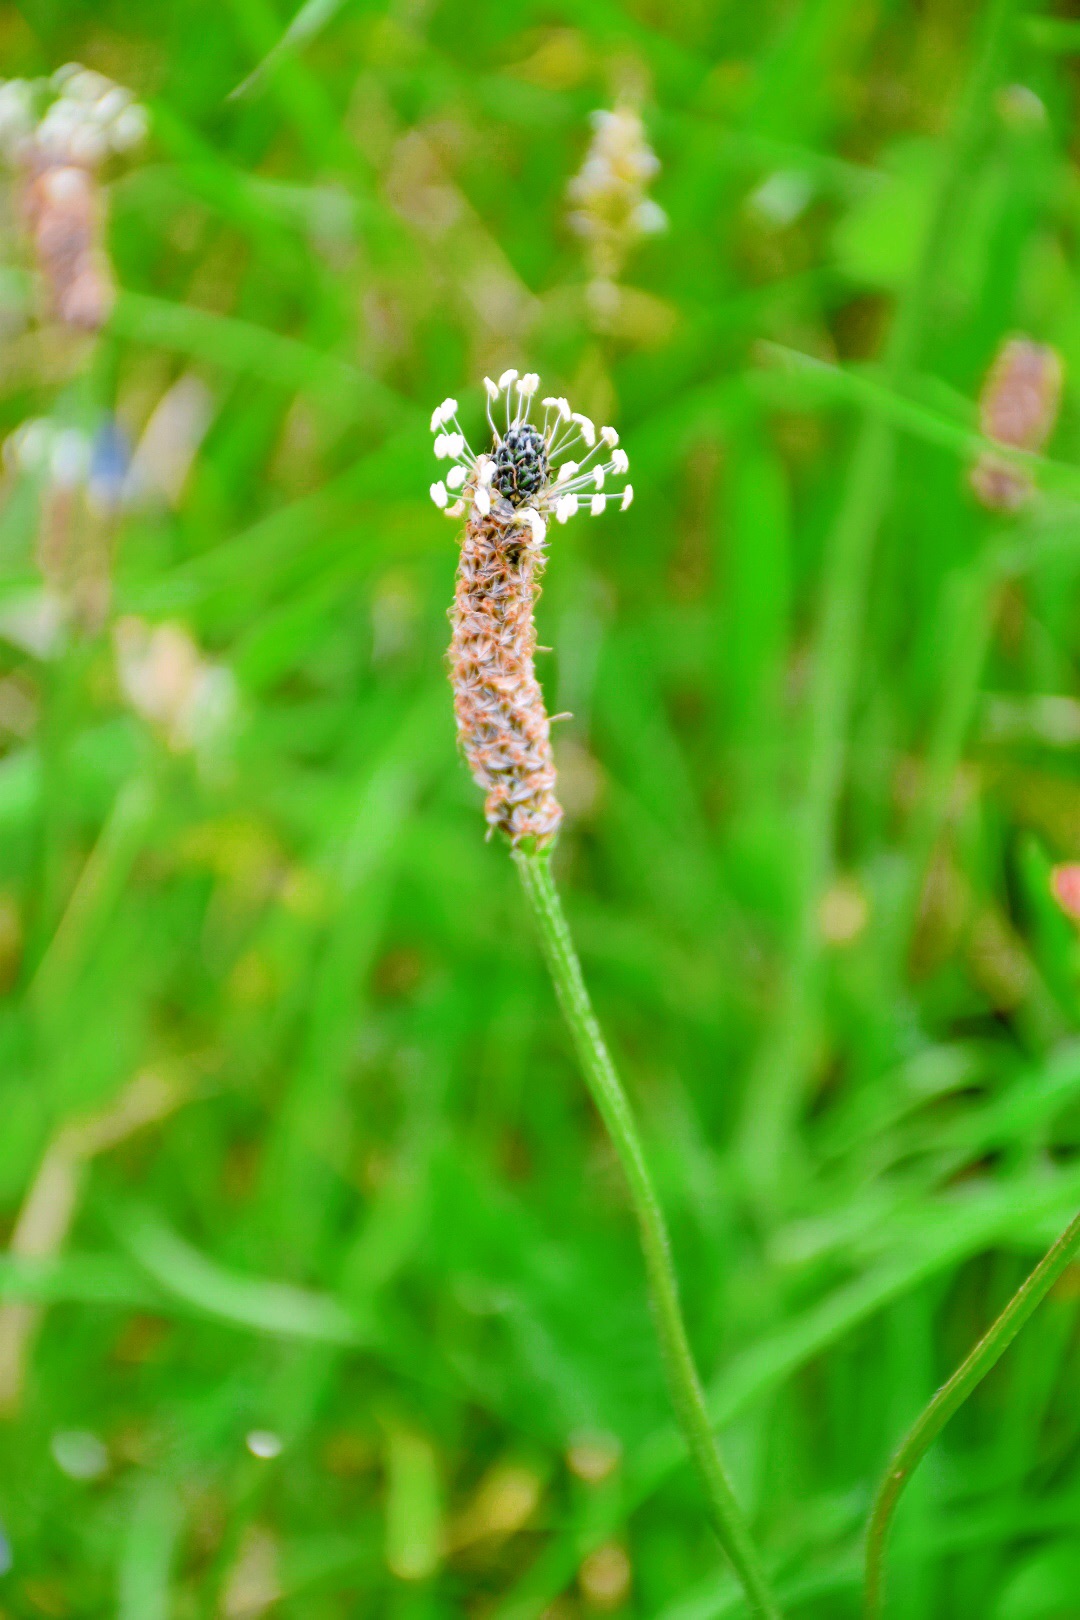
949	1398
607	1092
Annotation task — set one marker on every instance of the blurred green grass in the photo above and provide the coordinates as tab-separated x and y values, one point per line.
274	1027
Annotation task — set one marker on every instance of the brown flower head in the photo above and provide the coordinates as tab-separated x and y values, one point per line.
508	495
55	134
1018	406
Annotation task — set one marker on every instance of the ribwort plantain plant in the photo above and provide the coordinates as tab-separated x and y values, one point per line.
508	495
56	134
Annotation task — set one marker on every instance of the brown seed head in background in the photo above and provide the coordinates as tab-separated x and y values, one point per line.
55	135
1018	407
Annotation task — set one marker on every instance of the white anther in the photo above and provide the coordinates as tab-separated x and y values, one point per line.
609	436
565	507
482	500
567	470
129	128
455	478
620	461
598	476
439	495
529	384
485	470
588	431
596	505
627	497
536	523
506	379
492	388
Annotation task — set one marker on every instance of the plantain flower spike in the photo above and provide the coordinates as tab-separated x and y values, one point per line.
55	135
1018	407
536	471
611	209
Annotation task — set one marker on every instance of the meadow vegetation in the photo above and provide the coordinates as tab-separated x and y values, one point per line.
319	1291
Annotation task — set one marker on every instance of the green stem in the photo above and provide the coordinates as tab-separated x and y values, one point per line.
686	1392
949	1398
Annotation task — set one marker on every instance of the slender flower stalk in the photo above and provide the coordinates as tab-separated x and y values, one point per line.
949	1398
508	496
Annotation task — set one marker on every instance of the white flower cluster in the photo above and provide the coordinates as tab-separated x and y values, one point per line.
76	117
612	210
479	481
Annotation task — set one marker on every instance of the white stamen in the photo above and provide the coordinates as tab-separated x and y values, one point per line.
561	407
569	488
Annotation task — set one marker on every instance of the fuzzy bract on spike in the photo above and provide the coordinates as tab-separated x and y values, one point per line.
508	496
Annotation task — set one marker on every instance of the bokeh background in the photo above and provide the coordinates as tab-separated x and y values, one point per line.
319	1294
